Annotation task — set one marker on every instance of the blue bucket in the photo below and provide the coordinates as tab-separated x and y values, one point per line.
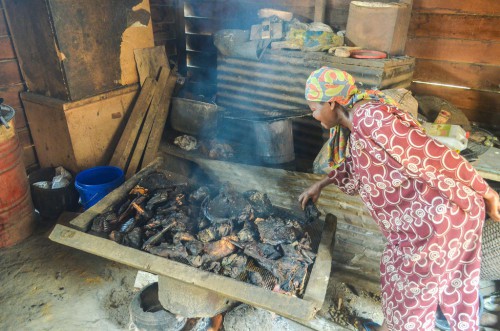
95	183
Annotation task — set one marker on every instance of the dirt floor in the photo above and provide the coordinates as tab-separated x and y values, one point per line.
48	286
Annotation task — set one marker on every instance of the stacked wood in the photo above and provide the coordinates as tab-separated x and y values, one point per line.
142	134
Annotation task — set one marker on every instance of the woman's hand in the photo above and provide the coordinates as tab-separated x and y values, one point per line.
492	204
313	192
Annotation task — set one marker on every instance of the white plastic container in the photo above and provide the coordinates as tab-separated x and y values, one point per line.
450	135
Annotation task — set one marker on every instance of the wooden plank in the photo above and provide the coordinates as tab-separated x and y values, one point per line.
478	106
6	48
159	124
317	284
470	51
123	150
286	305
469	27
479	7
149	61
10	73
10	94
476	76
151	117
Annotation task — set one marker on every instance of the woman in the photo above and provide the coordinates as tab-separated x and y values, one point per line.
427	200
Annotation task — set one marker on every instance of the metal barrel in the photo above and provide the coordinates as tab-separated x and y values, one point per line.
16	207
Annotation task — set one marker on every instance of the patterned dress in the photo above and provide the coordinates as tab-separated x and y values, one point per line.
427	201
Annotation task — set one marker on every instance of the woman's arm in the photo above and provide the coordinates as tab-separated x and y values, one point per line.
342	177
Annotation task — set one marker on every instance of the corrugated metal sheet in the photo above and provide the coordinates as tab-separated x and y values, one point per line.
277	81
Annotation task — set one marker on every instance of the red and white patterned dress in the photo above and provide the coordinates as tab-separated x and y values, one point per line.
427	201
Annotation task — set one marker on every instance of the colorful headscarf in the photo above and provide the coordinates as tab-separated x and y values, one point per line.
334	85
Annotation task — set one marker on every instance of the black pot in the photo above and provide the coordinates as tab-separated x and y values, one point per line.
50	203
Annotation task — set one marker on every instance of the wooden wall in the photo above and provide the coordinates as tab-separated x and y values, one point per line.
11	83
164	28
458	43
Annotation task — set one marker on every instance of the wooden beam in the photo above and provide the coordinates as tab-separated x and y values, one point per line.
159	124
149	61
156	104
123	150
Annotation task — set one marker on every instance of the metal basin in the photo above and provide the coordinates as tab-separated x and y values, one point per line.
194	117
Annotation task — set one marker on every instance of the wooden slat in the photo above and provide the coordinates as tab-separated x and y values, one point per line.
480	7
149	61
151	117
6	49
124	148
470	51
161	118
477	76
10	94
469	27
478	106
9	71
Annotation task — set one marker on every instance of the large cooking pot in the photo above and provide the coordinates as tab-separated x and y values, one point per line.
195	117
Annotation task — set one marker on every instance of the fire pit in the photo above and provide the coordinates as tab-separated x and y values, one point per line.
213	290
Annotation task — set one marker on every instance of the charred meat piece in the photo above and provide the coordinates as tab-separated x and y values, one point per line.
215	232
260	202
153	223
183	222
218	249
103	223
259	249
275	231
296	252
248	233
128	225
199	195
290	273
194	247
234	265
153	240
160	197
197	261
171	251
116	236
133	238
312	213
156	181
227	205
212	266
182	237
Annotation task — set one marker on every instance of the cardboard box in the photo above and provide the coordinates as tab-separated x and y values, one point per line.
378	26
78	135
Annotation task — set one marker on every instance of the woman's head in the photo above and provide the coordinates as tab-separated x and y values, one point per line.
327	91
330	85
